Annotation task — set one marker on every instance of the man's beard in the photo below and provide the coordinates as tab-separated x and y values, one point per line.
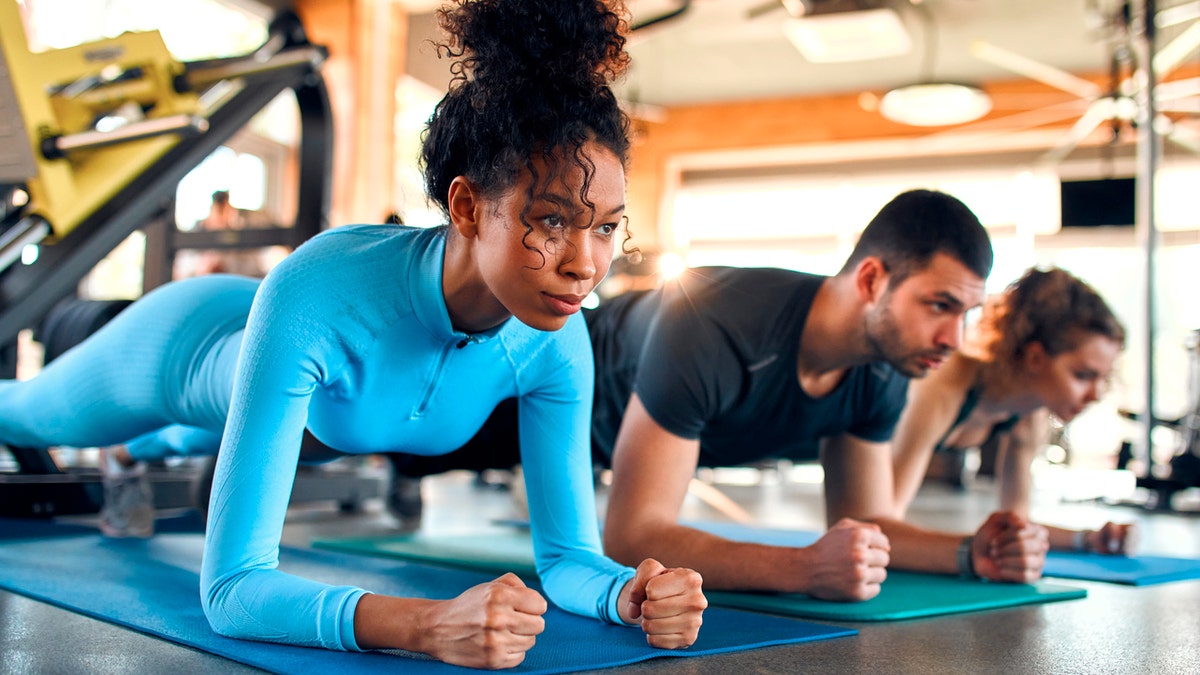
883	337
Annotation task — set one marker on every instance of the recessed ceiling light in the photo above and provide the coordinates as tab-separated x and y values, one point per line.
849	36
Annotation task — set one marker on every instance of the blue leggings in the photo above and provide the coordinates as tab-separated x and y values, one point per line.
144	371
174	441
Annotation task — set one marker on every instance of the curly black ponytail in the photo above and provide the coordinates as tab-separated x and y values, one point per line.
530	77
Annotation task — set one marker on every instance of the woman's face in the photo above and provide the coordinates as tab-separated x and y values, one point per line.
1069	382
542	277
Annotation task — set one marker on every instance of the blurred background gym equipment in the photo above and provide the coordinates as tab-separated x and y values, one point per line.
94	141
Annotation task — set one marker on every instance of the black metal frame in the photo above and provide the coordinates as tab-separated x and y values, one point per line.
29	292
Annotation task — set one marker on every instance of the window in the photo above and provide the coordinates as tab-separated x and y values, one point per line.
191	29
806	215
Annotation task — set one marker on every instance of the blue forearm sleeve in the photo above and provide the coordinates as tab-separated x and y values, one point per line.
556	458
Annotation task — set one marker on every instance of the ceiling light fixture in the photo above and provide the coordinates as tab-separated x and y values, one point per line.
848	36
935	104
930	103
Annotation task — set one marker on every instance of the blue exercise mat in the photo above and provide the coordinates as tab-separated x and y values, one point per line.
755	534
1140	570
153	586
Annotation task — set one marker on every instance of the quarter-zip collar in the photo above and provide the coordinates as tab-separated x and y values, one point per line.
427	298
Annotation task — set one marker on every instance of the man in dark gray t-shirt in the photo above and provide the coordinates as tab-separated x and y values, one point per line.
713	356
726	366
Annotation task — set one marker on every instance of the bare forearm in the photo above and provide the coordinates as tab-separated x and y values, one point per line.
490	625
1005	548
1061	539
1017	449
1016	479
383	622
917	549
724	564
1111	538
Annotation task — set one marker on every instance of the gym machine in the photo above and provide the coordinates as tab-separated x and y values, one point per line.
1163	480
94	140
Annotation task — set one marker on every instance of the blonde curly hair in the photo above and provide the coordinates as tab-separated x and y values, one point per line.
1049	306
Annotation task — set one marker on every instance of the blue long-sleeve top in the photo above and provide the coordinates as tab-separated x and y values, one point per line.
350	337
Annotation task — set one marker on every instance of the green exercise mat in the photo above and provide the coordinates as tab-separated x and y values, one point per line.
905	595
497	552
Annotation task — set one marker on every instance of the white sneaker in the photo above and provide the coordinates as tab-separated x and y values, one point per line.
128	509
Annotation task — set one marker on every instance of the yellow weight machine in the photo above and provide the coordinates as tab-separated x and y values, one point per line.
89	119
94	140
99	135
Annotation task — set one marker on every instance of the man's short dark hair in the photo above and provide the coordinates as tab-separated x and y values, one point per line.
915	226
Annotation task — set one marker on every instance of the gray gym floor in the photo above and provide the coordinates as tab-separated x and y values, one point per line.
1116	629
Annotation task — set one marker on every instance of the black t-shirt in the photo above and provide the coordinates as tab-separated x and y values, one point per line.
712	356
970	401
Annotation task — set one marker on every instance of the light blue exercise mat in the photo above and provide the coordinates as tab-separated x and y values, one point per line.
1140	570
152	586
905	595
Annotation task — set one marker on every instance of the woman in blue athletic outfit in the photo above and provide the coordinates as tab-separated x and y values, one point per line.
1046	346
384	338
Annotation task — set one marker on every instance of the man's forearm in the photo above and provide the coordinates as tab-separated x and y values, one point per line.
916	549
724	564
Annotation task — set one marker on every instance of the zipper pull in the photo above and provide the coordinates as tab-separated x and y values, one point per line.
465	341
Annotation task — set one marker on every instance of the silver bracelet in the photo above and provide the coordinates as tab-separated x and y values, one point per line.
966	565
1079	539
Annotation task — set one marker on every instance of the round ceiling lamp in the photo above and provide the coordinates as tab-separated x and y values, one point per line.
935	104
